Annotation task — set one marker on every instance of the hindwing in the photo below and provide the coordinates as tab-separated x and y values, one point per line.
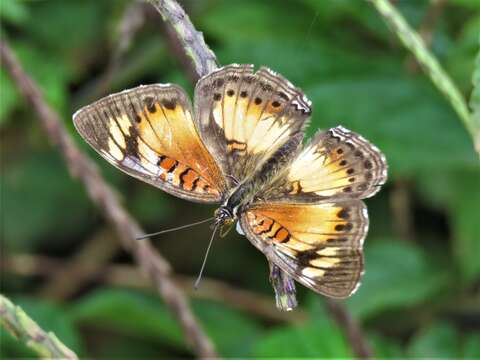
319	245
337	163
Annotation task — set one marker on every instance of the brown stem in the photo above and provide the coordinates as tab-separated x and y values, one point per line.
193	44
351	329
81	167
128	276
85	265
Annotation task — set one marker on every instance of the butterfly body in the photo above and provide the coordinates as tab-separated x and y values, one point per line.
241	146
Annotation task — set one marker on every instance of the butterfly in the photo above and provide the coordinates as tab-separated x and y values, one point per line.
241	146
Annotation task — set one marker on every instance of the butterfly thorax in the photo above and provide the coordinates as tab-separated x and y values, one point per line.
246	193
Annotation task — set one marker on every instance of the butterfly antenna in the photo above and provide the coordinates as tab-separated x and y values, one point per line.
175	228
197	282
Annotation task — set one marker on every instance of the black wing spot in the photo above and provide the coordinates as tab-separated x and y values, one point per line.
150	104
169	104
230	92
344	213
258	101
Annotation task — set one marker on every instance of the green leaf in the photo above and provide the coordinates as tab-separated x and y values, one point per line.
14	11
319	337
456	193
439	340
471	346
384	347
145	316
233	333
10	97
398	275
464	210
50	74
37	190
128	312
255	20
403	103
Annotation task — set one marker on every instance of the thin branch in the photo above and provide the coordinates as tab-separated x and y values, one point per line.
427	27
202	58
128	276
132	21
350	327
20	325
80	166
90	260
430	64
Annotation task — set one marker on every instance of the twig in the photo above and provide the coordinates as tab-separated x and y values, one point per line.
400	199
20	325
475	96
80	166
202	58
128	276
427	27
85	265
430	64
351	329
132	20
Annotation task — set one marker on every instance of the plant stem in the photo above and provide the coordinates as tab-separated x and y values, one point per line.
20	325
413	42
202	58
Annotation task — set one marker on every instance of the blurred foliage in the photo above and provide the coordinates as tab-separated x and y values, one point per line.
421	291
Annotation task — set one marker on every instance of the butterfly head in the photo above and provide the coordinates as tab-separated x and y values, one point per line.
224	219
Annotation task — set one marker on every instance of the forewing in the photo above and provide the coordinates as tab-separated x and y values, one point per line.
243	117
337	163
320	245
149	133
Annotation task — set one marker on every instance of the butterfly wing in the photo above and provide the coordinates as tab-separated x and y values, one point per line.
311	221
319	245
337	163
243	117
149	133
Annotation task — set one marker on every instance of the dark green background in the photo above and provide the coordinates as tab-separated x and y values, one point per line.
421	292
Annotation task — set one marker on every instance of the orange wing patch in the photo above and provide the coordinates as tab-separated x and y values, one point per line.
149	133
320	245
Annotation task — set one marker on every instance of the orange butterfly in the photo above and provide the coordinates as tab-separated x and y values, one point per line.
241	147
